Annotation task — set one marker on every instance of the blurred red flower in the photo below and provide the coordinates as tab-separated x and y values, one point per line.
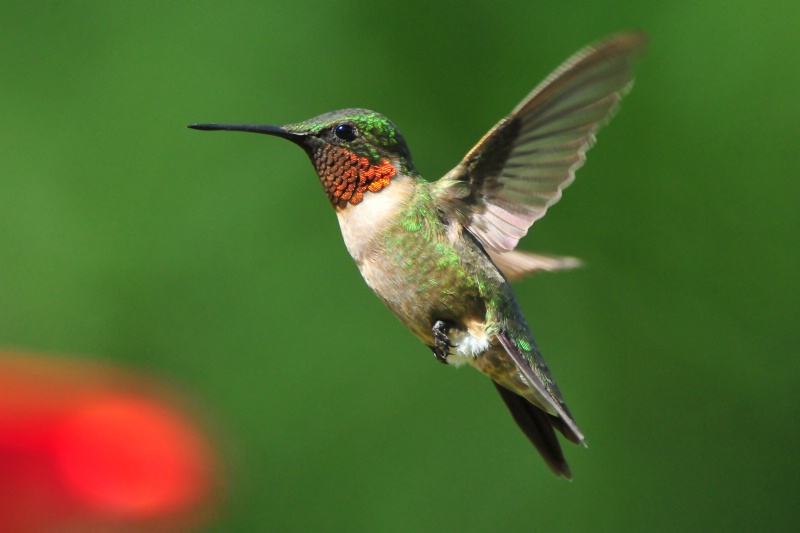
87	447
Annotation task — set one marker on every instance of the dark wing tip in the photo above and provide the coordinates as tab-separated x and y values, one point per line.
630	39
630	43
538	427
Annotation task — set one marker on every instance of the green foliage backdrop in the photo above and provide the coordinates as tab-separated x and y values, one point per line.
215	262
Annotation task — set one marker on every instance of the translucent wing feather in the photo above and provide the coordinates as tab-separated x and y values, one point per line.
517	265
510	178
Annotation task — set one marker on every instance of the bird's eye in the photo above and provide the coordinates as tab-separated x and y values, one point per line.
345	132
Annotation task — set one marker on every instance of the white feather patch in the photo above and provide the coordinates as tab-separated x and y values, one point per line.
469	344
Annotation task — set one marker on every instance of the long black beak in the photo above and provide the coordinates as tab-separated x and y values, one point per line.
277	131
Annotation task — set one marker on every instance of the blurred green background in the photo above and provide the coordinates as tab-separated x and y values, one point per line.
215	262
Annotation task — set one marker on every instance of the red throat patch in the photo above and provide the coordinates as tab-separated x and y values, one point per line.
346	177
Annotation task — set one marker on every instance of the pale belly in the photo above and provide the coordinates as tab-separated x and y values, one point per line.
423	269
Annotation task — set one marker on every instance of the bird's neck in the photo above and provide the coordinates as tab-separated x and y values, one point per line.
376	212
348	177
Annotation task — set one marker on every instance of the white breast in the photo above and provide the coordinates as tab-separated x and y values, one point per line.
361	222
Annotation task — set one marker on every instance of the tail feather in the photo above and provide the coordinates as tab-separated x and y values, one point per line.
538	427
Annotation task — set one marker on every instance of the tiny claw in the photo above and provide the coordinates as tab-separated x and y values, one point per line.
440	356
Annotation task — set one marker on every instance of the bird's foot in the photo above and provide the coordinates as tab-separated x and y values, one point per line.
442	344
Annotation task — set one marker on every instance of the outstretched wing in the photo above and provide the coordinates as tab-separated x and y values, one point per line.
510	178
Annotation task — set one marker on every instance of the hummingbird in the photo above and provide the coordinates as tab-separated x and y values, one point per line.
441	255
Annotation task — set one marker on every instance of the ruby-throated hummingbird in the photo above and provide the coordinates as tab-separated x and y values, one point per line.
441	254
